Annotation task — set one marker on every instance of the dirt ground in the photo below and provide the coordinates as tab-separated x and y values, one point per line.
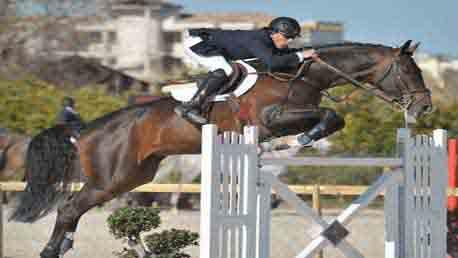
289	234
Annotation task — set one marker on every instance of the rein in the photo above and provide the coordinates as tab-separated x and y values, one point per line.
403	102
407	96
369	87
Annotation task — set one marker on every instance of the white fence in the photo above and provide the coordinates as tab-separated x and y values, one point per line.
235	201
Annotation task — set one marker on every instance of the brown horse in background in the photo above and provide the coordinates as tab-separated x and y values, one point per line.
13	148
122	150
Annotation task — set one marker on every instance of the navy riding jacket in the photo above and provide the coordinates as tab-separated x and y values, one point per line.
244	44
71	118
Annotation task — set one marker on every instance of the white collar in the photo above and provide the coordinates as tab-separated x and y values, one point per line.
70	109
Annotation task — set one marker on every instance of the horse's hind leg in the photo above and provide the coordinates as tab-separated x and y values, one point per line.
72	209
68	215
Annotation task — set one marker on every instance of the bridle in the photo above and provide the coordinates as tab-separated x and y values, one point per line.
408	96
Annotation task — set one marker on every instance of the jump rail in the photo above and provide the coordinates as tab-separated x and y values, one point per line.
235	201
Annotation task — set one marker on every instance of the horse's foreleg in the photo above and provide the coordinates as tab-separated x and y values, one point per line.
312	124
330	122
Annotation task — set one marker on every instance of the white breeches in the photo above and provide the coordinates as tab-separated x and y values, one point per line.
210	63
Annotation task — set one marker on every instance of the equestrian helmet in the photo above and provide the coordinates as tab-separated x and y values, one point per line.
287	26
68	102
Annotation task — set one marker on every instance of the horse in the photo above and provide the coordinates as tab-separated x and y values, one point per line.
13	148
122	150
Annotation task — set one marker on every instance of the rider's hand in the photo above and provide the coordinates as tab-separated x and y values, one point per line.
309	53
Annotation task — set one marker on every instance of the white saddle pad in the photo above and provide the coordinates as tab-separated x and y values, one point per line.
184	92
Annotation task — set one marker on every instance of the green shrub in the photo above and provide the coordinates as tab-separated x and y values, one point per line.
29	105
168	243
129	223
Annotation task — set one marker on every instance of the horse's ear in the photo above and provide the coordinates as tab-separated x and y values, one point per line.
405	47
412	49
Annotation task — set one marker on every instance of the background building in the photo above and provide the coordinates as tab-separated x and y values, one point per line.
143	38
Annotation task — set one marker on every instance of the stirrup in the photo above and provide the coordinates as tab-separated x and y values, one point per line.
195	117
304	140
182	109
190	114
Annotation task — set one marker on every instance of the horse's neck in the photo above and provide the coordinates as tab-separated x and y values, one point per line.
360	68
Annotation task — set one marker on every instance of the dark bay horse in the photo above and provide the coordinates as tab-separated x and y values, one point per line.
122	150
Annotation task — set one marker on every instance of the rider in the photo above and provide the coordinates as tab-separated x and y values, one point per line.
70	117
213	48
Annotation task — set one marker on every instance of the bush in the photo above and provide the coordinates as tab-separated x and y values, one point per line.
130	223
168	243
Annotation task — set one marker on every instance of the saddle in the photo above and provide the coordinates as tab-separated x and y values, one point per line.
241	81
238	74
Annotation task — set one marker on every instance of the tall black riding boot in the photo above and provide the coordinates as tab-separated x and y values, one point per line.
192	110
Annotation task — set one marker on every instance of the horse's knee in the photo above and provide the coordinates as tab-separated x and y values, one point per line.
270	115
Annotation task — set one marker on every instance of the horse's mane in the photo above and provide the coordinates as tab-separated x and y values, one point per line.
129	112
350	44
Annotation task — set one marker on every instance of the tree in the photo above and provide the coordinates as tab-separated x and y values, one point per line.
29	105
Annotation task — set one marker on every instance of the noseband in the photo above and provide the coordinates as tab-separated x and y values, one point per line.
408	96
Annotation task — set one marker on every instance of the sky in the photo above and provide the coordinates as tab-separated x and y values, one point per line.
388	22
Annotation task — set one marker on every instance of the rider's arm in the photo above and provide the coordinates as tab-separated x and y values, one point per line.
271	60
303	53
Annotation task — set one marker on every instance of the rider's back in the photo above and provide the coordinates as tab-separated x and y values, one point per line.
243	44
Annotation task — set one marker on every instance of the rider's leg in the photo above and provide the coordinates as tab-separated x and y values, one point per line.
220	70
210	85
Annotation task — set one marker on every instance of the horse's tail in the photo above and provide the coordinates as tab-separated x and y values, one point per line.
3	157
49	168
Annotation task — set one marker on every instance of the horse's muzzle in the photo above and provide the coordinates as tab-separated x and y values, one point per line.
421	104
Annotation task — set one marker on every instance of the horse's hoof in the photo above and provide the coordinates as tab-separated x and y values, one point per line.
49	252
304	140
